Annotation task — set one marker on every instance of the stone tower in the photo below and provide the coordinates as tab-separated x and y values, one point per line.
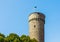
36	26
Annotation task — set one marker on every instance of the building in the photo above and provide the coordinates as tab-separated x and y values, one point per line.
36	26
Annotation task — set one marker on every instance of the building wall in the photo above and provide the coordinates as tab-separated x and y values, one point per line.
36	26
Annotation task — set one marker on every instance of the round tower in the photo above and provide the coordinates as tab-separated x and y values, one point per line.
36	26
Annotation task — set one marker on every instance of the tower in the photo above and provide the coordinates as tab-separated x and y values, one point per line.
36	26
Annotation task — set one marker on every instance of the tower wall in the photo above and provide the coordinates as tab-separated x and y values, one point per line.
36	26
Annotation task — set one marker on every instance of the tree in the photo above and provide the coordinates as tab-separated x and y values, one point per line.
25	38
6	39
2	35
16	40
34	40
12	36
1	39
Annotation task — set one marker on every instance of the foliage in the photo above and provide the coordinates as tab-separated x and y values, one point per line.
2	35
12	37
1	39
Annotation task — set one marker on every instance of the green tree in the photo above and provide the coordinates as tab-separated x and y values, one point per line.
28	38
34	40
16	40
12	36
2	35
1	39
25	38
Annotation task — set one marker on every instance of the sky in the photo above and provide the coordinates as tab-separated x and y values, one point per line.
14	17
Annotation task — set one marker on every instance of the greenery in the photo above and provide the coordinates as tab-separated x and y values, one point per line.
12	37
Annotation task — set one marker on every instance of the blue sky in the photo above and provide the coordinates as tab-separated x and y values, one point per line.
14	17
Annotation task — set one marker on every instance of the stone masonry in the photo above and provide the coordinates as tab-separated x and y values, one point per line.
36	26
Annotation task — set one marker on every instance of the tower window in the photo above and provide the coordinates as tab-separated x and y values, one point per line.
34	26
